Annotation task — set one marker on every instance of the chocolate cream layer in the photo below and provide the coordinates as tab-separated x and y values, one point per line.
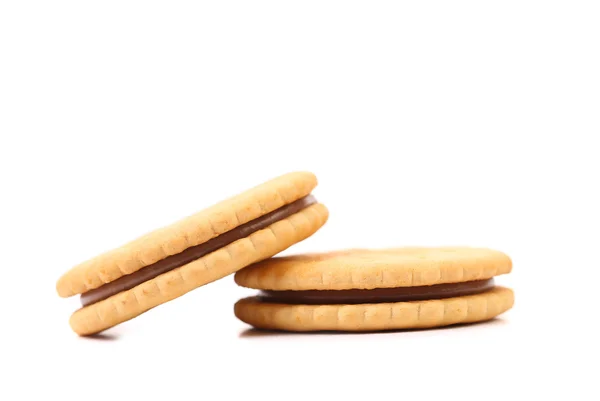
378	295
196	252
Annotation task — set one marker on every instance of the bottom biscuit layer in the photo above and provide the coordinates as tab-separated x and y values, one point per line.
375	317
257	246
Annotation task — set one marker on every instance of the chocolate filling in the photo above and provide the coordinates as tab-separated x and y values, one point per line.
174	261
378	295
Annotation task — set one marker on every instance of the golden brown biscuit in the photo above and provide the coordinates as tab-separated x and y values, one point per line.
366	290
213	243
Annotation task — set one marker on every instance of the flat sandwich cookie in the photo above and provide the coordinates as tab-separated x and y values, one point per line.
164	264
373	290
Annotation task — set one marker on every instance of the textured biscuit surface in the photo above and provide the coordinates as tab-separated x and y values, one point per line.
190	231
375	317
257	246
375	268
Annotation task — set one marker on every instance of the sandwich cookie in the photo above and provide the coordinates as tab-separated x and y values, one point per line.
373	290
169	262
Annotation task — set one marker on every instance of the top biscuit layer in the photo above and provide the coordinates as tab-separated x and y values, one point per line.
369	269
190	231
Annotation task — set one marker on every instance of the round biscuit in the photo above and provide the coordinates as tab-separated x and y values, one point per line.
375	317
375	268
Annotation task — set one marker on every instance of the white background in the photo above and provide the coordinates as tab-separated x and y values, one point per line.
427	123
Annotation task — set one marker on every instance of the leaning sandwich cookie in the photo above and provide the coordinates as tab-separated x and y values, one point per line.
169	262
375	290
